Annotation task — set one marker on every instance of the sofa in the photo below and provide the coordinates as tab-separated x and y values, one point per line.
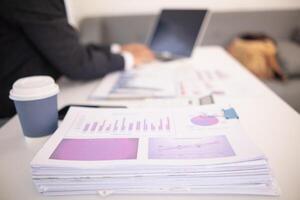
222	28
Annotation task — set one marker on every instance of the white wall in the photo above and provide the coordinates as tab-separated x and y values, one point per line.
79	9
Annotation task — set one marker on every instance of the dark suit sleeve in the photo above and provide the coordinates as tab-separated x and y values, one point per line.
45	25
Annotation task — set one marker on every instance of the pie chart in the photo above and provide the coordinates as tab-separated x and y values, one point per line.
204	120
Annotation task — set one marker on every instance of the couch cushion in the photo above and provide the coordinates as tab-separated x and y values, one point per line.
289	58
296	35
287	90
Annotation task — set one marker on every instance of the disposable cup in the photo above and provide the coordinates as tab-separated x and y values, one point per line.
35	99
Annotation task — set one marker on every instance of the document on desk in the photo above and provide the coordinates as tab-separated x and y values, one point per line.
136	84
195	150
159	82
179	79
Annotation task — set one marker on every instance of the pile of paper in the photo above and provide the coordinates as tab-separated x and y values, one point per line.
199	150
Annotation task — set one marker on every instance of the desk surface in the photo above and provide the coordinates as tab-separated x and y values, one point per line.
270	123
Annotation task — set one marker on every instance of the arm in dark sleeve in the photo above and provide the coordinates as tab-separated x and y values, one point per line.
46	27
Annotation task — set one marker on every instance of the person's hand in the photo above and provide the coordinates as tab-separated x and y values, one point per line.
141	53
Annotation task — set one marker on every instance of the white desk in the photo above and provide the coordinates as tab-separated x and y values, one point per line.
271	124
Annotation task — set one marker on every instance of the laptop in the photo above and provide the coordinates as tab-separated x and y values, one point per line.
177	32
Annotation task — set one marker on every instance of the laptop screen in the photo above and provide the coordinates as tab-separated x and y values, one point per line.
176	32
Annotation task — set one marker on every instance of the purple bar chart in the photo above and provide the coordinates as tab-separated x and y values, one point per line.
124	125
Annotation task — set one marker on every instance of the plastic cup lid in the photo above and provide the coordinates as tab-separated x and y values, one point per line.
33	88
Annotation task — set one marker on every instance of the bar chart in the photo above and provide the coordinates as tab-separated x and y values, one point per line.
123	125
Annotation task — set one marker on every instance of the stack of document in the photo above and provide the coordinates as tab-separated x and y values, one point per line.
193	150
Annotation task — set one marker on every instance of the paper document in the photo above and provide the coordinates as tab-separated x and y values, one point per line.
193	150
160	82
